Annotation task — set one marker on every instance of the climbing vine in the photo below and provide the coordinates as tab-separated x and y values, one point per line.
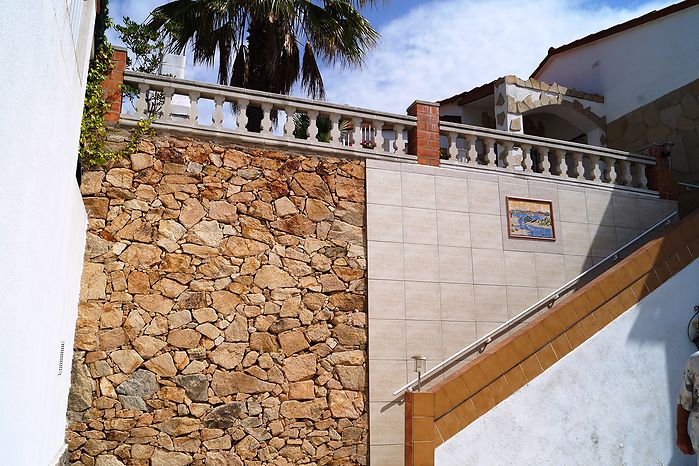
93	133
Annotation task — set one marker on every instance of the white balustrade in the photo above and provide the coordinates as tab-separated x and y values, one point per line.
322	126
513	152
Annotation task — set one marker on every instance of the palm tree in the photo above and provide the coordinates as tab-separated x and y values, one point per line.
257	42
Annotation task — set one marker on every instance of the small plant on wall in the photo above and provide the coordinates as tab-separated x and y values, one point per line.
93	148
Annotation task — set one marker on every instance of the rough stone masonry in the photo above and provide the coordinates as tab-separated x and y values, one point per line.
222	318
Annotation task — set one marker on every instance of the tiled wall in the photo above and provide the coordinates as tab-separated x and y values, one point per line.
443	272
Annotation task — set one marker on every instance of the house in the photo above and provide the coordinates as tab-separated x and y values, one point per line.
45	52
258	297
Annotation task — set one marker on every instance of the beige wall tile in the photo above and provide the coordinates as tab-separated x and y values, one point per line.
572	206
387	455
387	339
624	235
457	335
424	337
419	226
422	301
650	212
599	207
457	302
602	240
384	223
550	270
452	193
576	238
575	265
486	231
455	265
383	187
385	260
483	197
519	268
488	267
385	377
386	299
421	262
453	229
626	212
491	303
484	328
418	190
387	424
520	298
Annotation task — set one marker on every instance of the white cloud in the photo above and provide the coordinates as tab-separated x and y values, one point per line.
447	46
444	48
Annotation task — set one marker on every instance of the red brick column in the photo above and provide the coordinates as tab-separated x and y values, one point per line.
660	176
112	85
423	140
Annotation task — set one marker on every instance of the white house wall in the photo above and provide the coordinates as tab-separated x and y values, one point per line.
443	272
43	222
633	67
611	401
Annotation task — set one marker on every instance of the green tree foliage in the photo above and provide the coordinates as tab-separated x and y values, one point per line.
268	45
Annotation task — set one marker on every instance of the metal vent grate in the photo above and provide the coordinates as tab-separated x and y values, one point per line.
60	358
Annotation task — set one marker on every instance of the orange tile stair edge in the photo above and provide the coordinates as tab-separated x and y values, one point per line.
433	416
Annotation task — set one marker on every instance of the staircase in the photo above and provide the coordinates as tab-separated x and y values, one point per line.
437	415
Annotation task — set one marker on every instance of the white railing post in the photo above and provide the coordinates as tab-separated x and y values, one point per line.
561	165
641	175
626	178
266	123
168	92
471	153
596	171
400	142
527	157
142	103
453	150
313	126
217	117
193	108
242	120
289	125
378	137
611	169
490	151
545	162
335	130
579	167
357	133
509	155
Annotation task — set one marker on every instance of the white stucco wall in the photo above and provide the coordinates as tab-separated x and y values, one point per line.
610	401
664	58
42	232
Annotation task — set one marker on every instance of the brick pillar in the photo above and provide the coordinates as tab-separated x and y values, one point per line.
423	140
112	85
660	176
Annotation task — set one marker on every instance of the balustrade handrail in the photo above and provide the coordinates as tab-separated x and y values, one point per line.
548	300
208	90
445	127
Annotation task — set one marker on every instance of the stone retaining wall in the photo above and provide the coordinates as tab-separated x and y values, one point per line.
222	316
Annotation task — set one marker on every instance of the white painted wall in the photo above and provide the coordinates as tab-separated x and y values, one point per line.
611	401
634	67
42	231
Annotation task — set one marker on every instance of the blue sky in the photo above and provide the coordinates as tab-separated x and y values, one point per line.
432	49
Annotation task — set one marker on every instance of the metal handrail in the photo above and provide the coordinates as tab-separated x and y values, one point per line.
689	186
482	342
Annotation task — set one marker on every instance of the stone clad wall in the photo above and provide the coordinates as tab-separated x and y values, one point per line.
222	316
